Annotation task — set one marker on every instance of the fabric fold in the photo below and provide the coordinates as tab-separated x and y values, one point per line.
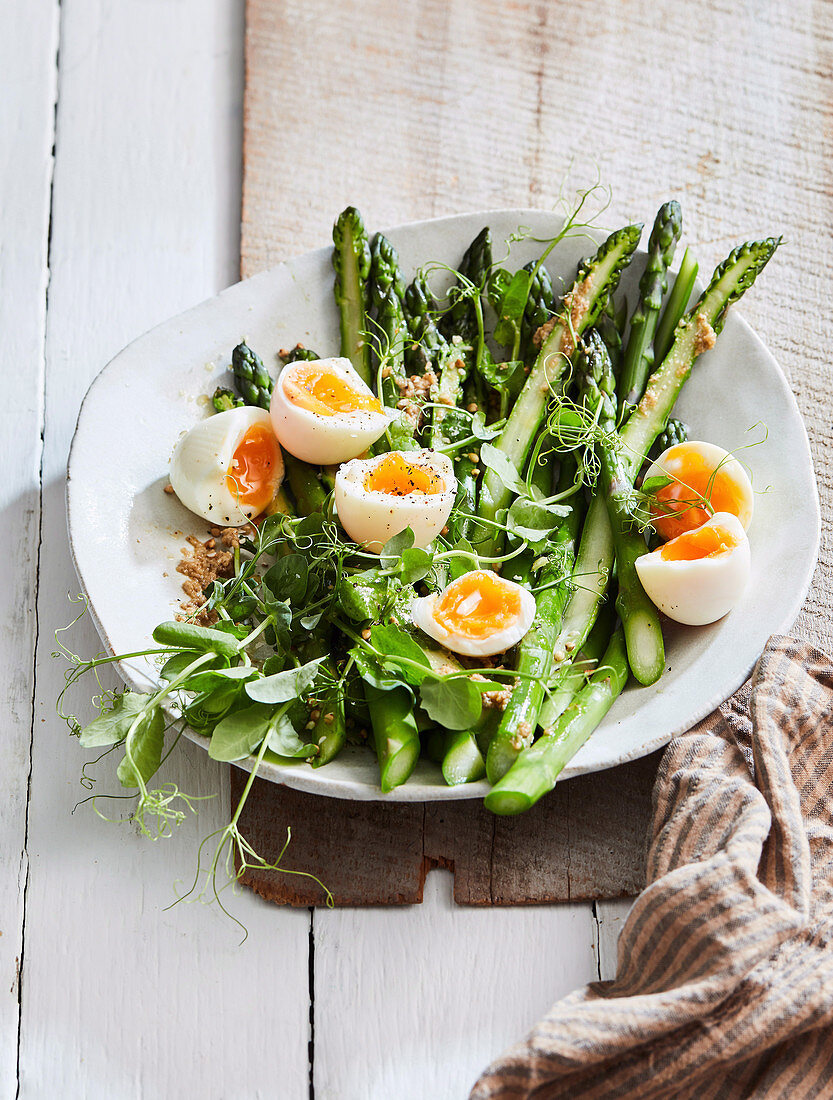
724	984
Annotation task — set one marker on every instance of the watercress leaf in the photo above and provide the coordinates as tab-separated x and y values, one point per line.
393	643
112	725
455	704
498	375
416	564
240	733
497	285
283	739
236	630
362	596
287	578
201	638
392	550
500	464
144	742
654	484
284	686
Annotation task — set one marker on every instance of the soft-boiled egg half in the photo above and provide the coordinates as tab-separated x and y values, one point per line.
699	576
228	468
698	470
376	498
323	413
477	615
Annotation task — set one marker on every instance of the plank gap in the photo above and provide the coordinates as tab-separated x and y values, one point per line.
24	854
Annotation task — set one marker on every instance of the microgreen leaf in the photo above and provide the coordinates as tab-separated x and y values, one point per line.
310	622
112	725
284	686
455	704
392	550
201	638
480	430
501	465
239	734
654	484
392	643
145	742
283	739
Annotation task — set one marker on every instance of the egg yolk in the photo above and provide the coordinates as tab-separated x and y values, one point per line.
397	477
254	465
706	542
477	605
325	393
678	505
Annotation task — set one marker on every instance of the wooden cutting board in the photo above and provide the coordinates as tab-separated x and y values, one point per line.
410	111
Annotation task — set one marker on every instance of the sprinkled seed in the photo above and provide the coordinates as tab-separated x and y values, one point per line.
473	407
328	719
569	646
559	656
309	726
315	714
366	633
169	489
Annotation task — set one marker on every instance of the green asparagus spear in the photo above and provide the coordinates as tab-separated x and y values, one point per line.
395	734
462	760
595	281
351	260
639	353
253	381
675	432
640	618
301	354
676	306
330	731
536	770
388	291
520	718
540	306
576	674
224	399
695	334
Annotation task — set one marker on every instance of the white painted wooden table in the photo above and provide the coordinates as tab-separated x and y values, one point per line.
120	132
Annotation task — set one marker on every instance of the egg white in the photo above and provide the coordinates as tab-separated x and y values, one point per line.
202	459
371	517
325	440
703	590
422	614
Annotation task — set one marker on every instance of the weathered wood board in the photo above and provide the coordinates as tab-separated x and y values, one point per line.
412	111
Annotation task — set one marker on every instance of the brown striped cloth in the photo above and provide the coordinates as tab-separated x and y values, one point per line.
724	983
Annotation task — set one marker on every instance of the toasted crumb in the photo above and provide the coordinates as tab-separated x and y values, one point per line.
705	336
202	567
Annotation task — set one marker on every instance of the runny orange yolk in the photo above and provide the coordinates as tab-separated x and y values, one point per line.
477	605
693	478
397	477
325	393
706	542
254	468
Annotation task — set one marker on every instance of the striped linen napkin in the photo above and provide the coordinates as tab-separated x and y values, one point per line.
724	984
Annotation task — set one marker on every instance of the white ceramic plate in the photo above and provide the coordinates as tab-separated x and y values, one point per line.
126	533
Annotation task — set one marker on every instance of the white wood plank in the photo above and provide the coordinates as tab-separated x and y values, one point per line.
120	998
414	1003
28	41
610	917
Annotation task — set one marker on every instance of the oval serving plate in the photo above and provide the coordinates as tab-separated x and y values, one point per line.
126	533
